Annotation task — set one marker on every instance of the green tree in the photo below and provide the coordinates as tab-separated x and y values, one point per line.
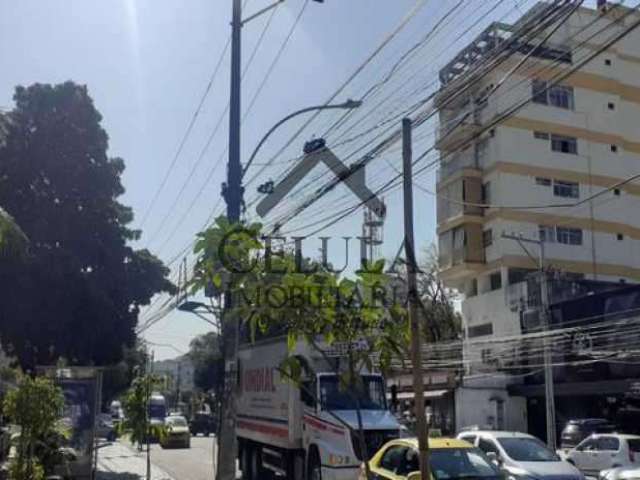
208	367
79	291
35	405
136	410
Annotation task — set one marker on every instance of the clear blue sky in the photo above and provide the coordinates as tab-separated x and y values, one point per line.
146	64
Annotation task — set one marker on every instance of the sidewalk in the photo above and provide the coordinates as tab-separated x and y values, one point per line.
121	461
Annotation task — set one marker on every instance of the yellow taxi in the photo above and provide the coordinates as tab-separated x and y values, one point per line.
450	459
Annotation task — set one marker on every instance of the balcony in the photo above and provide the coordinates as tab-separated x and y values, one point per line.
459	197
453	132
460	251
457	163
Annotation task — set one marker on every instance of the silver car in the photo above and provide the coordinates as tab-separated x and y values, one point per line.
620	473
522	456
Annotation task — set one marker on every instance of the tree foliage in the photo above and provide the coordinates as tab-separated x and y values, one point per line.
35	405
208	367
136	409
13	241
78	292
440	321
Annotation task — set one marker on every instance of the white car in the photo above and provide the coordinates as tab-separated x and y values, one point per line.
603	451
522	456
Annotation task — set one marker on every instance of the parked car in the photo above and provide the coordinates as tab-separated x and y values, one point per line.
577	430
620	473
176	432
521	455
448	458
202	422
605	451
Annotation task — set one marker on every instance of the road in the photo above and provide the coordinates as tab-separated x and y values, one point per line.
195	463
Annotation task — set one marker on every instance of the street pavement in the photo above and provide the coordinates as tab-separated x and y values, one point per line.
195	463
121	461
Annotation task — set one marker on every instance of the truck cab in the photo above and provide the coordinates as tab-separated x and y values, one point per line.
330	425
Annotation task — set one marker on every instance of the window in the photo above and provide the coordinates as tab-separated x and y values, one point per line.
620	237
634	445
564	144
500	414
495	281
544	182
614	148
370	397
480	330
561	97
612	106
557	95
473	288
469	438
393	458
458	463
588	445
487	238
527	450
566	189
541	135
487	446
307	393
486	193
607	62
539	92
610	444
569	236
546	233
616	192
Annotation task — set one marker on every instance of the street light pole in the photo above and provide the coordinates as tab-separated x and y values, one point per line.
549	388
233	193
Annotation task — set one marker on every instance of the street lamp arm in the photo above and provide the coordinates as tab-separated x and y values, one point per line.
264	10
348	105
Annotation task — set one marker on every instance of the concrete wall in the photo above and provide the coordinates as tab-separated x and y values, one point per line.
476	405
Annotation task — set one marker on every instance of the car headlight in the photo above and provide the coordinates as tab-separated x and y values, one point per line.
605	474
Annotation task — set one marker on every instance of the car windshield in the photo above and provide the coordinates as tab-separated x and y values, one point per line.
176	422
527	450
370	395
459	463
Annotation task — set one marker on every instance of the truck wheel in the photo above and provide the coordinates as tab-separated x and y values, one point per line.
245	462
257	472
314	468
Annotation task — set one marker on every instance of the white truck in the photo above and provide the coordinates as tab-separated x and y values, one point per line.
283	430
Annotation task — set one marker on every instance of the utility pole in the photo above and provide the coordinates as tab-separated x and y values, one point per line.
549	389
147	380
412	268
232	192
178	379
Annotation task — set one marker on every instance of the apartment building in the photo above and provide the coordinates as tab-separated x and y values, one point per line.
553	169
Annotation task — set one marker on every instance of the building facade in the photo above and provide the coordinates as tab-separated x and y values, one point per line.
539	131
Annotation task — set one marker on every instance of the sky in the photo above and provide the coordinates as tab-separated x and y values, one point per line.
147	62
